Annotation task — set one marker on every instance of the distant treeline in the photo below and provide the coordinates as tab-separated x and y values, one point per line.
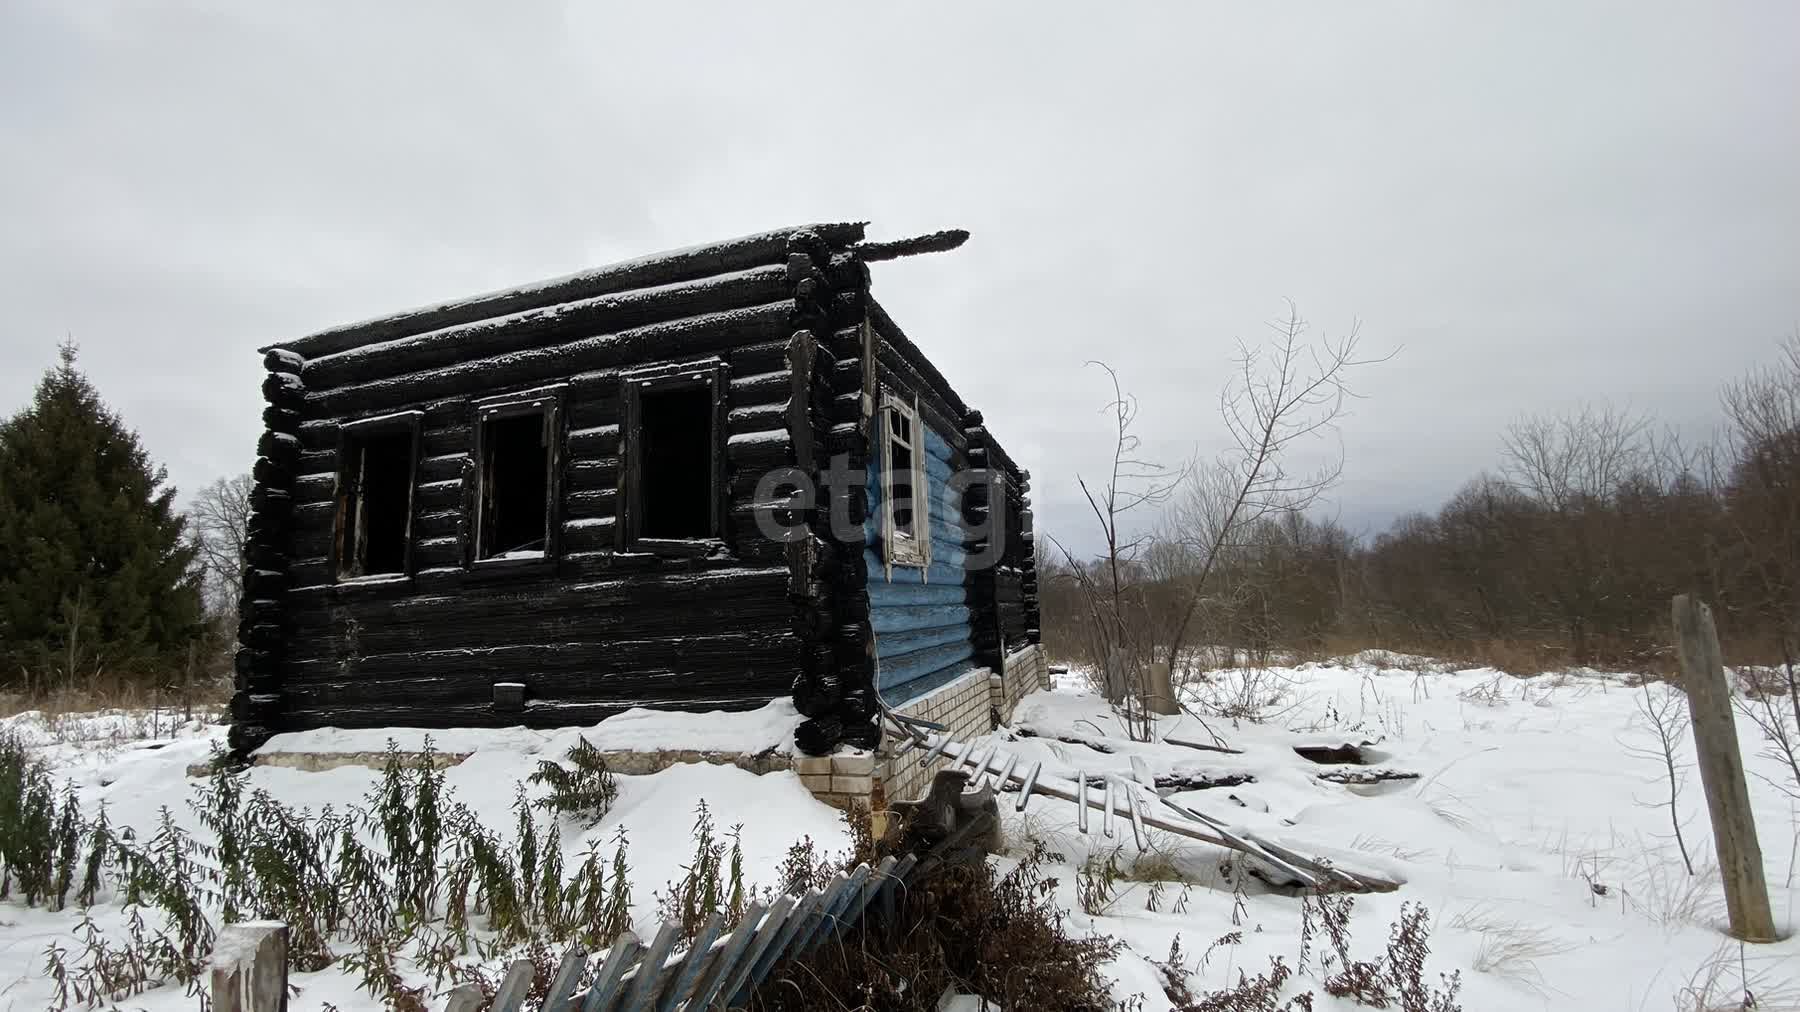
1567	552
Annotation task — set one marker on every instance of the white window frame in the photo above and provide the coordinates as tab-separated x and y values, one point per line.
901	549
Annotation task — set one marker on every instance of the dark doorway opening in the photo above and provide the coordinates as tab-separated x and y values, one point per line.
677	470
378	505
515	486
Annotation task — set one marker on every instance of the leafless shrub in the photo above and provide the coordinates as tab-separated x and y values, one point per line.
1666	716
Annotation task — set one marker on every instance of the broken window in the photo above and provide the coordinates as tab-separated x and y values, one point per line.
677	471
516	483
375	485
907	499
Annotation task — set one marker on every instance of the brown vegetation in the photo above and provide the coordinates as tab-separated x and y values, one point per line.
1566	554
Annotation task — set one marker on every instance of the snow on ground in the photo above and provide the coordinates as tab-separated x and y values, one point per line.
137	779
1534	832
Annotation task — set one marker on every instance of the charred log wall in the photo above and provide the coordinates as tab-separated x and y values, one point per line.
596	626
780	601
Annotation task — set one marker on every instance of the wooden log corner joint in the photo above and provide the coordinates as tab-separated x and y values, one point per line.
622	488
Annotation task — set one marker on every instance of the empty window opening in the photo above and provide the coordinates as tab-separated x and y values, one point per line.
515	486
900	471
377	504
677	466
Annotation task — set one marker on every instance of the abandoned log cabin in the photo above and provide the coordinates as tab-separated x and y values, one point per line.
627	487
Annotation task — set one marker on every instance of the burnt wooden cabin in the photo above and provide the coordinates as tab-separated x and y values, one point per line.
545	505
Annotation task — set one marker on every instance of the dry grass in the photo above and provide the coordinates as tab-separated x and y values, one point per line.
1735	978
1509	948
117	696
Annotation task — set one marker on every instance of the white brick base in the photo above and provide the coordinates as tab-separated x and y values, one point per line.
967	707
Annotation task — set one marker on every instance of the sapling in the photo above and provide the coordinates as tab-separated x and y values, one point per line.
1668	721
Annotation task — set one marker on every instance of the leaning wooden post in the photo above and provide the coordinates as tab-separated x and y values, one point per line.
1722	771
249	968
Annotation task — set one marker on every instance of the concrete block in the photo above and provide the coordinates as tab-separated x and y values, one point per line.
812	765
816	783
852	765
861	786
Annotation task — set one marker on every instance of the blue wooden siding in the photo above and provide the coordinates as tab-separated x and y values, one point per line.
920	617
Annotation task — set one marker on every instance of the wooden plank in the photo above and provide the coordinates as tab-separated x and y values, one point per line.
689	970
820	920
622	956
510	996
727	957
873	883
771	947
464	998
649	969
1722	771
561	995
848	898
780	912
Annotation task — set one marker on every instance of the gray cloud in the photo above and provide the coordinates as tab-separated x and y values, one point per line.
1536	203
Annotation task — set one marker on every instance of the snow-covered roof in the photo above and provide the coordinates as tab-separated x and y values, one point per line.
663	268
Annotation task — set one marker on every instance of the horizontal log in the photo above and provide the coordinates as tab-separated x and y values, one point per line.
591	474
445	467
758	418
589	534
498	335
585	666
659	269
590	504
438	524
598	441
534	608
759	357
760	388
757	452
711	332
545	714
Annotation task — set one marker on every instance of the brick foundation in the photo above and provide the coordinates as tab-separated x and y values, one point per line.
968	707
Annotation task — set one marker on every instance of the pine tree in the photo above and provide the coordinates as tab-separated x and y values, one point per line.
96	574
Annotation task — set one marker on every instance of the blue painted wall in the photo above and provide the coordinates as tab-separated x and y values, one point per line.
920	617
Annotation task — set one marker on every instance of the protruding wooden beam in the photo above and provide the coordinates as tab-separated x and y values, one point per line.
935	242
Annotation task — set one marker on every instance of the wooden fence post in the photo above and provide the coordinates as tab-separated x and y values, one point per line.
1161	694
1722	771
249	968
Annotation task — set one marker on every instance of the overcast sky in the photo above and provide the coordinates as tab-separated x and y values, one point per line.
1533	203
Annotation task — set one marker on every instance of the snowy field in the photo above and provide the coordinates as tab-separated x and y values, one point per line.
1536	832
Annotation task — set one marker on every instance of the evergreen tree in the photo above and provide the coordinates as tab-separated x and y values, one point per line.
96	575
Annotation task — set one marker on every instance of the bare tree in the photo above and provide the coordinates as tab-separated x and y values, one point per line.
1762	492
219	516
1574	465
1110	589
1665	716
1286	392
1570	460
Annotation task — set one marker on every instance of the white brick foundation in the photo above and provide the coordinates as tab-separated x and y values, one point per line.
968	707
